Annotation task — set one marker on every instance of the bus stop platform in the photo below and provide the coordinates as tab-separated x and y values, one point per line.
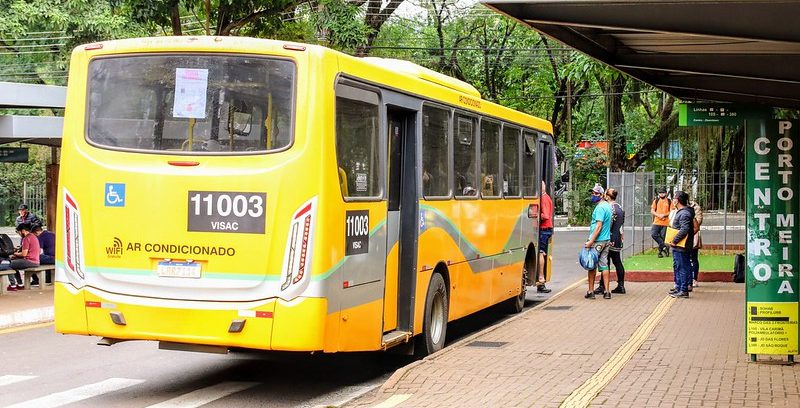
640	349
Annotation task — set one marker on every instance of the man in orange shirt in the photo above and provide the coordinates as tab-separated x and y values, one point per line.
660	210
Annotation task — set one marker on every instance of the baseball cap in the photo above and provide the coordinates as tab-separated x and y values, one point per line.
23	207
598	189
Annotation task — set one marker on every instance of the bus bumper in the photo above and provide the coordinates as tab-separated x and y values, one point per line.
274	324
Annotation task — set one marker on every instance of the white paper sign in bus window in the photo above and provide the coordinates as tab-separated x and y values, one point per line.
191	86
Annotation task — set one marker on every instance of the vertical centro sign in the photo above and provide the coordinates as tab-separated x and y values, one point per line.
772	237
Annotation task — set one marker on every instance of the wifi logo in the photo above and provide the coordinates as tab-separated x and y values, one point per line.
115	250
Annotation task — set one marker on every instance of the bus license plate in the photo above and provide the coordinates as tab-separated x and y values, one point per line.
171	269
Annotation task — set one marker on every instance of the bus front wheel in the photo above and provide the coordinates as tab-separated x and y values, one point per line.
434	323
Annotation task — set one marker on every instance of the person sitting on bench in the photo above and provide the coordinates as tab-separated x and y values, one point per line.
26	257
47	241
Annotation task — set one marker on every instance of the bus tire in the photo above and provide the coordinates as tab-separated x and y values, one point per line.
515	304
434	322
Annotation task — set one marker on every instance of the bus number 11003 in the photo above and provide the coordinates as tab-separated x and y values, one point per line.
227	211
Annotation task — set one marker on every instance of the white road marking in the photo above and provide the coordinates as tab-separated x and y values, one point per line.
205	395
11	379
78	394
393	401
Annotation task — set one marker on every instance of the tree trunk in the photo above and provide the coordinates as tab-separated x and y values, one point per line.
175	18
617	150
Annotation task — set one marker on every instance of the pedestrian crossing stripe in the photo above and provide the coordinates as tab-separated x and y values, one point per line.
192	399
203	396
78	394
12	379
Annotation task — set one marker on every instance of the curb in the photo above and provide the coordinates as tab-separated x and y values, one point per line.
26	317
668	276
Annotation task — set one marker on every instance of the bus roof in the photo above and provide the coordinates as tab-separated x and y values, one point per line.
452	89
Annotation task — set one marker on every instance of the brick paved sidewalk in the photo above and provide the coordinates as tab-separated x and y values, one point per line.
692	356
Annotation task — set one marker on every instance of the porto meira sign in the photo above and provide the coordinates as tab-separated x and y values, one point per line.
773	243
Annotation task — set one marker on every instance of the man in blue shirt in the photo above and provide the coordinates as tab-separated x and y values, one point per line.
47	241
599	238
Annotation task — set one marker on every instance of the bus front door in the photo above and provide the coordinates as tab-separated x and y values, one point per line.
402	227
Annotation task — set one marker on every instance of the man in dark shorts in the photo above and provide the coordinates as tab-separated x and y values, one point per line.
545	232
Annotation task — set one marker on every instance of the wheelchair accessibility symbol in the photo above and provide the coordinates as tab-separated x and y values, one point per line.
115	195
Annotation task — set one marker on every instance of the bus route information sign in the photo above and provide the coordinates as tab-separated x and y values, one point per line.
772	237
718	114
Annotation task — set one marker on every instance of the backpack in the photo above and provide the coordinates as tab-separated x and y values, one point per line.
738	269
6	246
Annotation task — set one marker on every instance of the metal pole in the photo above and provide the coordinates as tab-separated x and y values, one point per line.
725	216
25	192
623	208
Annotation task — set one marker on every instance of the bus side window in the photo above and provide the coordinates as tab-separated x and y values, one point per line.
357	142
510	161
464	157
530	178
435	129
490	159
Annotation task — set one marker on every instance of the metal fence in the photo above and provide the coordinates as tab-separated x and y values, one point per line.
720	195
35	196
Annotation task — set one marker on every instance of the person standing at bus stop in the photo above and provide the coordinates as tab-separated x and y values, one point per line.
660	211
681	251
26	216
545	232
599	238
615	247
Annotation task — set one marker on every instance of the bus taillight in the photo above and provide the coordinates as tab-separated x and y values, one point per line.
299	246
73	250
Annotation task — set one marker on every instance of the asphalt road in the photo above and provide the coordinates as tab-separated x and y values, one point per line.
44	369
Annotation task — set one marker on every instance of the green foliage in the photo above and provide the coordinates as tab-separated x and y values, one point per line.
587	167
12	179
342	21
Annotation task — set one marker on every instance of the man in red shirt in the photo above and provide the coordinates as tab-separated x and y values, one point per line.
545	232
26	257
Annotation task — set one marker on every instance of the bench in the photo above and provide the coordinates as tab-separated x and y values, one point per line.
39	271
4	279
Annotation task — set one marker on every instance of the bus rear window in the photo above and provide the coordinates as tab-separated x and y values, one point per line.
191	104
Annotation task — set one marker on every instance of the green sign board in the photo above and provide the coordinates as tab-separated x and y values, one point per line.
719	114
773	243
14	154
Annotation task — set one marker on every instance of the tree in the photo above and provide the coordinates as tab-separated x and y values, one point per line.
220	17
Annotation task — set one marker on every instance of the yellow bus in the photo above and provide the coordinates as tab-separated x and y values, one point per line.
228	192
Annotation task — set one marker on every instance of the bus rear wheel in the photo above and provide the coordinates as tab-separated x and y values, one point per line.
515	304
434	323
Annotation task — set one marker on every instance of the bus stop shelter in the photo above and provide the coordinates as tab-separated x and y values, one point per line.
740	51
723	50
39	130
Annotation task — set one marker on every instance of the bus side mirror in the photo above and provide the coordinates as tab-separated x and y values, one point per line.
533	211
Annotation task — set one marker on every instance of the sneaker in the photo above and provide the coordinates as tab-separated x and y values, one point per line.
589	295
11	288
599	290
680	295
673	290
660	254
689	288
543	289
607	295
619	289
666	251
696	284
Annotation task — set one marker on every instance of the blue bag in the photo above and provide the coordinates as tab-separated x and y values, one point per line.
588	258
